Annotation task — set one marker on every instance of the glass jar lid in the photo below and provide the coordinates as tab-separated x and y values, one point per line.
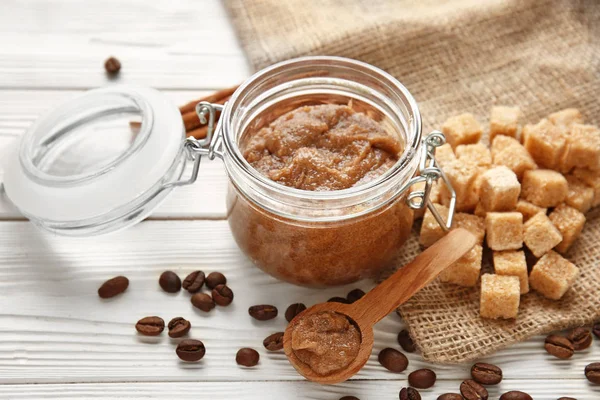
99	162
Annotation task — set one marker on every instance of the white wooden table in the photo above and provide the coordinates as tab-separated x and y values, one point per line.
59	340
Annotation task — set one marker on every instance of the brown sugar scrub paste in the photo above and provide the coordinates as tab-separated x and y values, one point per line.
323	147
325	341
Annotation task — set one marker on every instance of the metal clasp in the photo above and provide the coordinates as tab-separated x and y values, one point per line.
210	146
430	172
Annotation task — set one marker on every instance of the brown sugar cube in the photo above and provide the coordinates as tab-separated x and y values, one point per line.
580	196
504	230
464	272
540	235
545	143
462	176
553	275
512	263
528	209
500	296
462	129
431	231
472	223
583	148
477	154
499	189
569	222
509	152
444	155
504	121
480	211
592	179
544	187
565	118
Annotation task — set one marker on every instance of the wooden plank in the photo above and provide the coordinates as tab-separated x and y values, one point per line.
205	199
164	44
365	390
55	329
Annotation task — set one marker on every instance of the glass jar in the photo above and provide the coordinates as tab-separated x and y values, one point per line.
65	182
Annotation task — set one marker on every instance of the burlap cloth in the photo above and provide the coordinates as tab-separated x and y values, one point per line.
457	56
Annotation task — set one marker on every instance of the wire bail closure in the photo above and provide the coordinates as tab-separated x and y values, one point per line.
430	172
210	146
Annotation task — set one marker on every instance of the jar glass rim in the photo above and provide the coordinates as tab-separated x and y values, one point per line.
411	150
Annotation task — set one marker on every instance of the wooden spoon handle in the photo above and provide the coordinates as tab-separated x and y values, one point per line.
411	278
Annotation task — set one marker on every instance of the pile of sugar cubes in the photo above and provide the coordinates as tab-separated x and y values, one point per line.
528	189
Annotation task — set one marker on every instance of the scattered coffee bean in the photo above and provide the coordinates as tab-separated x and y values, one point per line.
194	281
596	330
150	326
178	327
214	279
113	287
222	295
338	299
190	350
349	398
515	395
567	398
247	357
354	295
486	374
274	342
392	360
293	310
203	301
422	378
592	372
408	393
406	342
472	390
263	312
112	66
581	338
559	347
170	282
450	396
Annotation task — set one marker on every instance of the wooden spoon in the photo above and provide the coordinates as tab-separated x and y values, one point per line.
382	300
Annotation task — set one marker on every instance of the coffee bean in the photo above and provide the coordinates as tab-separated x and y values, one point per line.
214	279
406	342
194	281
274	342
354	295
178	327
338	299
592	372
486	374
113	287
559	347
567	398
596	330
422	378
247	357
581	338
349	398
472	390
170	282
190	350
515	395
112	66
408	393
263	312
293	310
222	295
203	301
450	396
150	326
392	360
